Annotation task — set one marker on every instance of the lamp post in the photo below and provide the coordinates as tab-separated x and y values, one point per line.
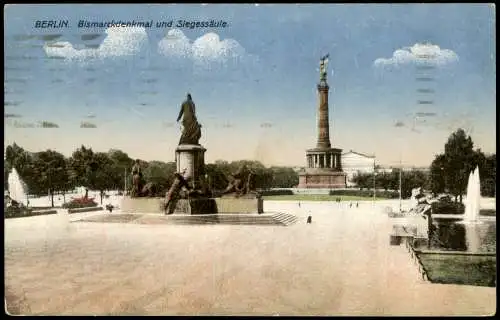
374	184
400	171
125	185
400	184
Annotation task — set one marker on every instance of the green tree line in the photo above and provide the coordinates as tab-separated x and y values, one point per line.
50	172
390	181
449	171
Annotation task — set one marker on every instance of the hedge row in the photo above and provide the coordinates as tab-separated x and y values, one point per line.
488	212
365	193
283	192
79	205
447	207
88	209
12	212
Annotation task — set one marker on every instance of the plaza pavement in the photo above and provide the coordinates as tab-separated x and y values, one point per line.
341	264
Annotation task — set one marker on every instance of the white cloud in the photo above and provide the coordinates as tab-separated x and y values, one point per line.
175	44
210	47
419	53
120	41
203	51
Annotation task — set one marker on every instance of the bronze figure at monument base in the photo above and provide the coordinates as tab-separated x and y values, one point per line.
137	181
241	183
174	193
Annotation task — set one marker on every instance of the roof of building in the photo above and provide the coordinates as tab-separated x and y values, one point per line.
359	153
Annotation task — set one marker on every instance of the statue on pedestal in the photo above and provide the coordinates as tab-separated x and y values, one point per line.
136	179
191	132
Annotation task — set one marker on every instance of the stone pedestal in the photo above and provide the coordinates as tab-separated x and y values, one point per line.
219	206
240	205
142	205
324	169
191	158
322	179
194	205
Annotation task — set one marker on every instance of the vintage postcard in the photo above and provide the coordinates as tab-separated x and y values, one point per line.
250	159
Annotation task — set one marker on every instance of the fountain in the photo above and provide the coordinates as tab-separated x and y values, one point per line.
473	198
17	187
459	248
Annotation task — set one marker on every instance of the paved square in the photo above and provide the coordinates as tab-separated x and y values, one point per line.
341	264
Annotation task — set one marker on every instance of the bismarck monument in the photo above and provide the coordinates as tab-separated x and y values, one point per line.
190	191
190	155
324	169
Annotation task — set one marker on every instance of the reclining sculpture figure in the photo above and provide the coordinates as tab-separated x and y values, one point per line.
240	183
174	193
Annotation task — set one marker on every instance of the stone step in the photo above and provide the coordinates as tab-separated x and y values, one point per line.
285	218
237	219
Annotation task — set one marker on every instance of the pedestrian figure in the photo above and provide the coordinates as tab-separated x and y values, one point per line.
109	207
309	219
357	204
299	204
350	204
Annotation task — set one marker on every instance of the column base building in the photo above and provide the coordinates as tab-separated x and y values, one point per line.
323	170
324	165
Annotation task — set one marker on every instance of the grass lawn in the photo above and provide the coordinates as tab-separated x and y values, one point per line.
319	197
457	269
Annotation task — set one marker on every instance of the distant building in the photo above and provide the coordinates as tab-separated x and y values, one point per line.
354	163
298	169
390	169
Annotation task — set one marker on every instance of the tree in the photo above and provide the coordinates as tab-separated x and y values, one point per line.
411	180
217	178
363	180
82	165
487	172
50	168
161	174
70	182
383	180
437	175
284	177
100	174
488	187
263	176
122	164
6	171
17	157
219	172
460	156
450	171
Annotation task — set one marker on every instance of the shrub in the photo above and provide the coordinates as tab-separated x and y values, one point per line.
88	209
488	212
279	192
15	212
447	207
365	193
80	203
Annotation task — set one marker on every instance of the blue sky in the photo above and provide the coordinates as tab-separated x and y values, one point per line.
254	82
